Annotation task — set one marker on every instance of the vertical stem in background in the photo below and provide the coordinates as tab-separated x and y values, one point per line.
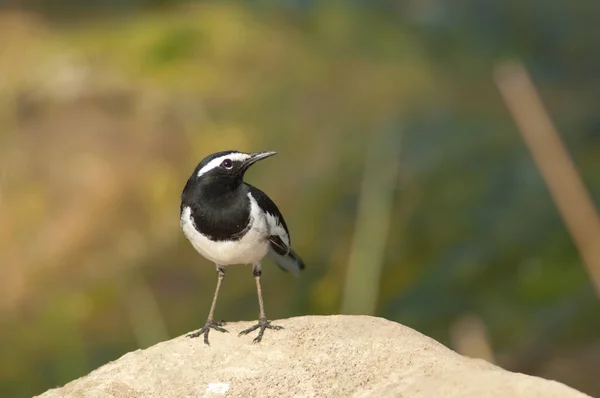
552	159
372	223
469	337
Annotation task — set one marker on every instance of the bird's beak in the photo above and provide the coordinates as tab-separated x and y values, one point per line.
255	157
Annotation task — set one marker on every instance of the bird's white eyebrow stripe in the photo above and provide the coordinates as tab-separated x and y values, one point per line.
217	161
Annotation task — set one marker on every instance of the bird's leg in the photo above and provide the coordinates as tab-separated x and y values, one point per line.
210	323
263	323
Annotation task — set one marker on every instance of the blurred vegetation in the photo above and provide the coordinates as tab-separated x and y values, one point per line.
106	110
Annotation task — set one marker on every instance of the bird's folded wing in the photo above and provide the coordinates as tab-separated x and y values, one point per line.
279	245
275	221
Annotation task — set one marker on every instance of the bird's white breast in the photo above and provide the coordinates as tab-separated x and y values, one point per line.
250	249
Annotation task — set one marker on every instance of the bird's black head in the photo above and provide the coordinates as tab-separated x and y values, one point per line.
224	170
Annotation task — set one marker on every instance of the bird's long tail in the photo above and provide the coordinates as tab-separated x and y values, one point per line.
290	262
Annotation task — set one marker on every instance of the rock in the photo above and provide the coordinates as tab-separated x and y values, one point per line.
314	356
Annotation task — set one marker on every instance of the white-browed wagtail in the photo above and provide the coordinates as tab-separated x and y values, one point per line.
231	222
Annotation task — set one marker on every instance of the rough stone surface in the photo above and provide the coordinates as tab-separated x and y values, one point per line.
314	356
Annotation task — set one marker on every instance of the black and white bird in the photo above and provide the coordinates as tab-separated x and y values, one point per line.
231	222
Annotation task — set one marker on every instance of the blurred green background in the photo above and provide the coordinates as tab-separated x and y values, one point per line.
389	129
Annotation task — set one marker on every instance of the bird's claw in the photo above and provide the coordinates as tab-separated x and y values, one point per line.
206	328
262	325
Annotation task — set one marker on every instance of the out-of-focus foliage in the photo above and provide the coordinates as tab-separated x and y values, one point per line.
103	118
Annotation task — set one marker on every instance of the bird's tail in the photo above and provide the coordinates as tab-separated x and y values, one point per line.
290	262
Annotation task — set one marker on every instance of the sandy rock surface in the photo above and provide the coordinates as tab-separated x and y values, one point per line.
314	356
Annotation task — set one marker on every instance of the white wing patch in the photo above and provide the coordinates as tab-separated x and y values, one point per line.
276	228
216	162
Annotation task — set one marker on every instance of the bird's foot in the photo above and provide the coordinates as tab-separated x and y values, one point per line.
210	324
262	325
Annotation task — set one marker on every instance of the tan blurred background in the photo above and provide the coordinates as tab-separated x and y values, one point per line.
403	176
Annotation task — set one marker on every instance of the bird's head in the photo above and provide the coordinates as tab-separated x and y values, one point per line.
226	168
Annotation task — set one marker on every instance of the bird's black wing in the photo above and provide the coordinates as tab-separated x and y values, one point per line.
278	245
280	249
280	236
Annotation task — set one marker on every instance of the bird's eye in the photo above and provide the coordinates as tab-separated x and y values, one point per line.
227	163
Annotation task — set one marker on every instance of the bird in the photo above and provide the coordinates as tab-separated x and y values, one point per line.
229	221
